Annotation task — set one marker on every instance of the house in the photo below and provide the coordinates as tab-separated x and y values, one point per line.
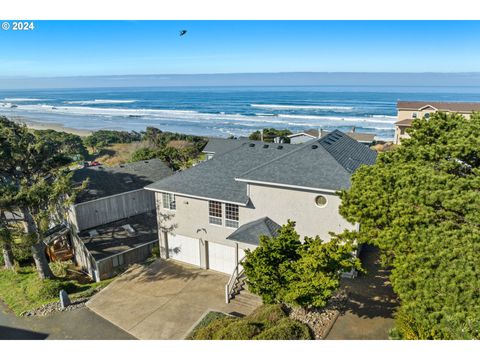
308	135
411	110
209	214
112	219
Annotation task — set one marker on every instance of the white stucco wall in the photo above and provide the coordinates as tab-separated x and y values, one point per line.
280	204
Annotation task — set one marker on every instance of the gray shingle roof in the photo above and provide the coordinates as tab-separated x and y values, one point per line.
359	136
221	146
215	178
249	233
325	163
106	181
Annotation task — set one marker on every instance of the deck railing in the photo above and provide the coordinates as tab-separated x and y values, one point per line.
232	282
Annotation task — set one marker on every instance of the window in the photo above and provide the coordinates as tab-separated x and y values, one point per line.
117	260
426	116
169	201
414	115
321	201
231	215
215	212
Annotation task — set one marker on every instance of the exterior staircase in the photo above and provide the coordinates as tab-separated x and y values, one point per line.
241	296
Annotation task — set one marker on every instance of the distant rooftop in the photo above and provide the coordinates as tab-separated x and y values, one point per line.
439	105
106	181
117	237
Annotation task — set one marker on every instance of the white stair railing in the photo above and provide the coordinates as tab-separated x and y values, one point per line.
232	281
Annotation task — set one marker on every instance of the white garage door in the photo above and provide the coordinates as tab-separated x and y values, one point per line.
184	249
221	258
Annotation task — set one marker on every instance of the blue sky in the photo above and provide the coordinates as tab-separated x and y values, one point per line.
72	48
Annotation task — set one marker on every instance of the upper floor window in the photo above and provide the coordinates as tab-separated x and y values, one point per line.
231	215
426	116
169	201
414	115
215	212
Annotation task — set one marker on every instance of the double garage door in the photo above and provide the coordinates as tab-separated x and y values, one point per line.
220	257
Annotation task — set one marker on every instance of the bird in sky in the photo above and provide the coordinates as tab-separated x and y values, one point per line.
183	32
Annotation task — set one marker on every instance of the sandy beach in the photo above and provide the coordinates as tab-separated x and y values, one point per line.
42	125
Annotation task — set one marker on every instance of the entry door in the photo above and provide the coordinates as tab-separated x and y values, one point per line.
183	248
221	258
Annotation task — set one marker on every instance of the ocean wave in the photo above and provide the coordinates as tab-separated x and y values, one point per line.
301	107
99	101
377	119
150	116
23	99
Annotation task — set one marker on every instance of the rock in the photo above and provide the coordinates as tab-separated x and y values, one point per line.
64	299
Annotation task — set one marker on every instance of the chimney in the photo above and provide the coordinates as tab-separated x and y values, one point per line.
320	133
353	129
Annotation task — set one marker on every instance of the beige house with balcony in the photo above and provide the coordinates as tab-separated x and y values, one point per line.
411	110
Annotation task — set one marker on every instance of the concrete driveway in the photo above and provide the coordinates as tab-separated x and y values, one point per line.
163	300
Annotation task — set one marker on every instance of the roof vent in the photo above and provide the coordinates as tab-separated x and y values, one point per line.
314	146
280	147
127	180
146	162
122	166
265	146
251	145
100	167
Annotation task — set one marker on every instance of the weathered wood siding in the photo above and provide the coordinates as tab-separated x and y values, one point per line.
82	256
112	208
106	268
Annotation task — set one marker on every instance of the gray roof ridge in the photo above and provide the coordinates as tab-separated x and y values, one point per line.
328	152
308	143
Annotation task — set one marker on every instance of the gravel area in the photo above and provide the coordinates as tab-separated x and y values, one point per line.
320	320
55	307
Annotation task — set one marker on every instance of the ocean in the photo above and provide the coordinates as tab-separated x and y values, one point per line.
224	111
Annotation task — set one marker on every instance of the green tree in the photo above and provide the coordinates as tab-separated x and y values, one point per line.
315	276
31	173
69	144
419	204
266	265
269	135
282	269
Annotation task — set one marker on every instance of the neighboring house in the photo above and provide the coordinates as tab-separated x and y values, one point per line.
411	110
308	135
113	220
209	214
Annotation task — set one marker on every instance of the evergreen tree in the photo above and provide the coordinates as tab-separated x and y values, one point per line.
419	204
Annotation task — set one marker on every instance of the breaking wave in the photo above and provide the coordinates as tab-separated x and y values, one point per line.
301	107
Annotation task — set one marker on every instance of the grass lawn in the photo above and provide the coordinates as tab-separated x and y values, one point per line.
268	322
23	290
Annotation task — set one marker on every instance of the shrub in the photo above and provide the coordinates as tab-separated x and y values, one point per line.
239	330
59	268
156	251
209	331
268	314
286	329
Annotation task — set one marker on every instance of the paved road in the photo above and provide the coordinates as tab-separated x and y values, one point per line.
371	304
81	324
